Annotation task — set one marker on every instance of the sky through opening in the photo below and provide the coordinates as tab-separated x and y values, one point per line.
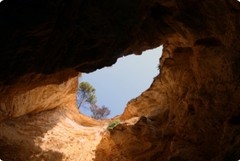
125	80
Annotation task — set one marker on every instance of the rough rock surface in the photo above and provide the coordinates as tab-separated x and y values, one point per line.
48	125
190	113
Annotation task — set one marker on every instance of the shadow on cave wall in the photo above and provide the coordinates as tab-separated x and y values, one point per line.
135	142
26	130
19	153
151	139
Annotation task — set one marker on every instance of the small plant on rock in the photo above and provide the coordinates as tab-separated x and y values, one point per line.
113	124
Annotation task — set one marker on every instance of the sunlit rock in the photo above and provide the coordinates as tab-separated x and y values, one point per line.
190	112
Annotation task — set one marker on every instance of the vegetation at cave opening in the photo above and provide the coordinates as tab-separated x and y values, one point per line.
86	98
113	124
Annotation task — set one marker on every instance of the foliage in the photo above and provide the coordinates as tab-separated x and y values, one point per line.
99	112
86	96
159	67
113	124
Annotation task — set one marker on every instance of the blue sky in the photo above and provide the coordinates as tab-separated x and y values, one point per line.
125	80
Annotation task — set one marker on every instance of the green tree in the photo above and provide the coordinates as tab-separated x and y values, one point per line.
86	96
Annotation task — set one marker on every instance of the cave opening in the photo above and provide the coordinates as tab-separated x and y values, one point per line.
125	80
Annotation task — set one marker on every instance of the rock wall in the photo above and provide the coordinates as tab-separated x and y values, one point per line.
44	123
190	112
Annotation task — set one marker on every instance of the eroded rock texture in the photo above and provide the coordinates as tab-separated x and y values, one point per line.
190	113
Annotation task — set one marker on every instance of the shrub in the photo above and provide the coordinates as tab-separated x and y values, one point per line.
113	124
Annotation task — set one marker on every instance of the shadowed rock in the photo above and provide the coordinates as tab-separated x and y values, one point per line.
190	112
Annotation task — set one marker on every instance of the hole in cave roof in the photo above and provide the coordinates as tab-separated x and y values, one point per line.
125	80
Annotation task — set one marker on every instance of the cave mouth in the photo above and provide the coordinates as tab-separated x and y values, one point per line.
125	80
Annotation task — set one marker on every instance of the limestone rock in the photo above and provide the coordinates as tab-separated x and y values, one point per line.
191	111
